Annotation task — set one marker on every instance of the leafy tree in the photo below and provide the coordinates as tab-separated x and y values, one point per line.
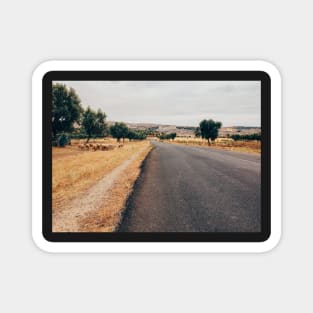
140	135
101	128
131	134
119	130
136	135
152	131
94	123
209	129
167	136
162	136
66	109
172	136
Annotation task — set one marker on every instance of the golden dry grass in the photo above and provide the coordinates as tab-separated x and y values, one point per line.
252	146
74	171
108	217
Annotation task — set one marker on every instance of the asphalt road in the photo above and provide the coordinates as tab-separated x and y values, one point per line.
191	189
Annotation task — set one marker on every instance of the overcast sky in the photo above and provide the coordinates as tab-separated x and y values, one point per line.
175	103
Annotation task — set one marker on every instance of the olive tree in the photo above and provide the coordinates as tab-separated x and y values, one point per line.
119	130
209	129
66	109
94	123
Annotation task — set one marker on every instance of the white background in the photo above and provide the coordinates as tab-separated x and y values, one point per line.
35	31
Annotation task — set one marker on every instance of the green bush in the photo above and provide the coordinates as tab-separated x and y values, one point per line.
246	137
63	140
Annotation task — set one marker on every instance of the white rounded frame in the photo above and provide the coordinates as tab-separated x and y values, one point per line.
157	247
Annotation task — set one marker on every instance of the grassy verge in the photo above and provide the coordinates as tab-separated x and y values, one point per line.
109	216
75	172
252	146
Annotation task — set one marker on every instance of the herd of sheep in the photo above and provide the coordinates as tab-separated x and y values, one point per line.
98	146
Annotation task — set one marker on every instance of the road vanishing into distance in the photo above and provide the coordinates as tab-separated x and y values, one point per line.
195	189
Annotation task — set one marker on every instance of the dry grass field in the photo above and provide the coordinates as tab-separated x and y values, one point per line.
252	146
76	175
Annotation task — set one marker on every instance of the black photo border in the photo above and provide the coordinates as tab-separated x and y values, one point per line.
261	76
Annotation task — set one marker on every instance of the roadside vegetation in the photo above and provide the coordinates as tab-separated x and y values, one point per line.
71	121
75	172
250	146
209	130
92	171
207	135
93	124
170	136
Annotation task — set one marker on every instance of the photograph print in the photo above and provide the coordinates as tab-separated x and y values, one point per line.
156	156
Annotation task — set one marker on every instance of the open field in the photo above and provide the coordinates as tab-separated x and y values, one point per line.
95	182
252	146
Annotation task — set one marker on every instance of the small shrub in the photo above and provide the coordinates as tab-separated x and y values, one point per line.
63	140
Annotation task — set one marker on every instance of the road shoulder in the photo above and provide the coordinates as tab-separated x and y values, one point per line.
100	208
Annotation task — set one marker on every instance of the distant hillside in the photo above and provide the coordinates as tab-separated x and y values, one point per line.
188	131
242	130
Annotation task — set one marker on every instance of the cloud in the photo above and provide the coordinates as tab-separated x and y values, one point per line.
174	102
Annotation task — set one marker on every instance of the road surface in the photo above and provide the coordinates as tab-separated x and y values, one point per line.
194	189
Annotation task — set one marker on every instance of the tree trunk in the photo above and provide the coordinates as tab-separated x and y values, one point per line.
209	143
